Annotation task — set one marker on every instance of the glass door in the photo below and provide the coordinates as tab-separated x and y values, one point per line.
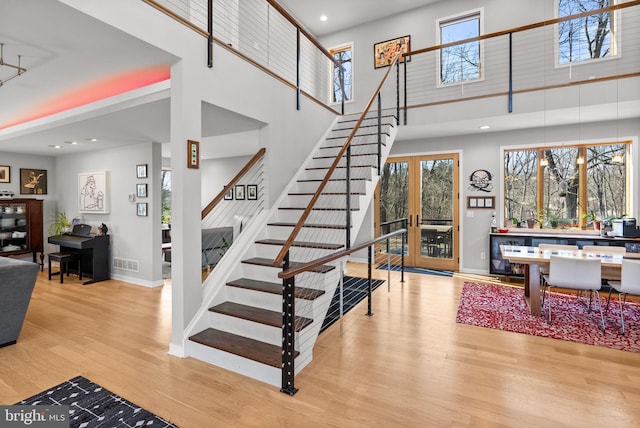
424	189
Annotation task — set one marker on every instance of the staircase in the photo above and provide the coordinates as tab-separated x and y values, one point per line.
240	327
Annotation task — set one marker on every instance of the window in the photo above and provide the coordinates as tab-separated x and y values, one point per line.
559	185
344	55
166	196
460	63
584	38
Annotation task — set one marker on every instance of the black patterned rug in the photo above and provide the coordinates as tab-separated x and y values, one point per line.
91	405
353	291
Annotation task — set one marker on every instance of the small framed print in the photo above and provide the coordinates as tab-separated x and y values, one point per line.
481	202
5	174
193	154
252	192
239	190
141	209
141	190
229	195
33	181
141	170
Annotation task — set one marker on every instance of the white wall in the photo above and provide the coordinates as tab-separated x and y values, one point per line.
216	173
132	236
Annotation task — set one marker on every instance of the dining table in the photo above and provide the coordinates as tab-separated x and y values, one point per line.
532	259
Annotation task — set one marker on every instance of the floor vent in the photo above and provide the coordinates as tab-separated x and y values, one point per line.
126	264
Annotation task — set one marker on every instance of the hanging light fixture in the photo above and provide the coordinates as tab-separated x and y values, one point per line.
544	162
617	158
18	68
580	160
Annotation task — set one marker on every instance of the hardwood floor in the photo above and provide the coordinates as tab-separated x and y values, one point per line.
410	365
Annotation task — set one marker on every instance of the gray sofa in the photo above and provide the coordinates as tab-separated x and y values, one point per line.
17	279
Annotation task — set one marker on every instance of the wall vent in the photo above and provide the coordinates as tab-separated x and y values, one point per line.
126	264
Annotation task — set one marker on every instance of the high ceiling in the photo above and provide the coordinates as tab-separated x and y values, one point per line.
343	14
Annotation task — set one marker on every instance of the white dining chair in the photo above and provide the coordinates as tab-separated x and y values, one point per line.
629	284
544	270
576	274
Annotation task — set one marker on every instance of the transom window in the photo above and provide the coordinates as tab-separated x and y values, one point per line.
588	37
562	186
344	55
460	63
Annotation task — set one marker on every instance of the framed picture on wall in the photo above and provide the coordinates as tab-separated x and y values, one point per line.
141	209
141	170
33	181
229	195
385	52
141	190
93	192
5	174
252	192
239	192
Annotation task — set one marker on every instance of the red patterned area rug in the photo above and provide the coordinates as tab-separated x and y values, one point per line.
504	308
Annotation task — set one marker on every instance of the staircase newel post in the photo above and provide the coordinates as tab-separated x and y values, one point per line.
288	332
379	132
370	289
348	204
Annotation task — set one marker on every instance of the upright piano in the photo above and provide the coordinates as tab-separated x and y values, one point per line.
94	250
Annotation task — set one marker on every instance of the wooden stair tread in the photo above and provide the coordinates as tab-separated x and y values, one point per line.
251	349
301	244
258	315
274	288
270	263
309	225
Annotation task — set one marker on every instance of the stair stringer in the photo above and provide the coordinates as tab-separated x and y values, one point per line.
215	289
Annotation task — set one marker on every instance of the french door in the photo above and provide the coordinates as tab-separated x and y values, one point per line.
423	189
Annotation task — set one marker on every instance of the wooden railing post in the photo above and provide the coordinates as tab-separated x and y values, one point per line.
288	331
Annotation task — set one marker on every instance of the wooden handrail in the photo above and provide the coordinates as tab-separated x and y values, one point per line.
291	272
233	181
280	257
295	23
525	27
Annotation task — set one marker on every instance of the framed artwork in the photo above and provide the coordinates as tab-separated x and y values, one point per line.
385	52
93	192
193	154
141	170
229	195
141	210
239	191
480	202
252	192
5	174
33	181
141	190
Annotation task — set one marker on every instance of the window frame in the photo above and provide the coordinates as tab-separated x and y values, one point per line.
630	173
341	48
457	18
615	41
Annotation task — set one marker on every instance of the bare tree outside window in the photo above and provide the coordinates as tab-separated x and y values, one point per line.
460	63
584	38
344	56
599	169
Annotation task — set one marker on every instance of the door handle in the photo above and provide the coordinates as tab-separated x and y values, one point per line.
417	220
410	224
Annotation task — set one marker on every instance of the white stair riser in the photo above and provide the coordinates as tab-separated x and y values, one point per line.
324	201
357	186
335	236
246	328
340	173
295	253
234	363
315	217
244	296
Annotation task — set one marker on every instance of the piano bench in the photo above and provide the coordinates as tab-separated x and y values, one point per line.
63	259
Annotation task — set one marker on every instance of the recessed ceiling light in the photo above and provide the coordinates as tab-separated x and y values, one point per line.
71	142
483	127
55	146
323	18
